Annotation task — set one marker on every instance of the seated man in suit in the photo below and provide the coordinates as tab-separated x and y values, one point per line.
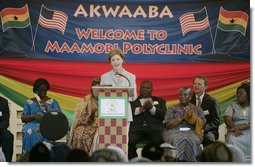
148	113
6	137
210	107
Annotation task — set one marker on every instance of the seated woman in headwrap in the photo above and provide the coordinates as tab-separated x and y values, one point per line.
34	110
83	132
183	127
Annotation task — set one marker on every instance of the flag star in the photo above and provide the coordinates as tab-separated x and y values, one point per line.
232	21
15	18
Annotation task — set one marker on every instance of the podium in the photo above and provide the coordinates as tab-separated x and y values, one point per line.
112	115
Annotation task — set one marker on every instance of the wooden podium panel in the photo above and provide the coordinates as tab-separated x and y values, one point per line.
113	131
112	91
112	116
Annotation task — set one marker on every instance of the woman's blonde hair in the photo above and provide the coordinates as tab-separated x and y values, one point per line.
116	52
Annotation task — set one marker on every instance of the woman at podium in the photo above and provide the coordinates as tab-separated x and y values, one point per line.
119	77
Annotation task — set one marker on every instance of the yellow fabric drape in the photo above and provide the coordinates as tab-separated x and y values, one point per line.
192	119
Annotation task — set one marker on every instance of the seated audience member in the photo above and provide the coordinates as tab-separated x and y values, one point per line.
106	155
77	155
34	110
139	159
210	108
148	113
216	152
169	152
237	153
184	124
153	152
83	134
39	153
6	137
59	152
120	152
237	118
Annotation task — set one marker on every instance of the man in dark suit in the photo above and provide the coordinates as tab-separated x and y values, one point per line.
148	113
6	137
210	107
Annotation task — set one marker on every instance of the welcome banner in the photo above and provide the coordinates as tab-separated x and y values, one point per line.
168	42
146	31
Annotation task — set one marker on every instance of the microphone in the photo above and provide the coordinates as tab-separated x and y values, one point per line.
117	73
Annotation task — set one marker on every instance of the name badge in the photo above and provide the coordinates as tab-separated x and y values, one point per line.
155	103
206	112
1	113
184	129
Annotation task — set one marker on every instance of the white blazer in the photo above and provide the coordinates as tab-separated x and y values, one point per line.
110	78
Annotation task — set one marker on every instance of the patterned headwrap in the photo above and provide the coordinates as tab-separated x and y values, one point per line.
95	81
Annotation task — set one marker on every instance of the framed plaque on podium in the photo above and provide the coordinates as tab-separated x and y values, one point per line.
112	116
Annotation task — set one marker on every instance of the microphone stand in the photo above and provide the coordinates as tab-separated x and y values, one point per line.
117	73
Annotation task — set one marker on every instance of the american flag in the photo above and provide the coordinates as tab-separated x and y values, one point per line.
193	21
53	19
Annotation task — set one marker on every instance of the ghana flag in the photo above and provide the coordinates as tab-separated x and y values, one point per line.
233	21
15	18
